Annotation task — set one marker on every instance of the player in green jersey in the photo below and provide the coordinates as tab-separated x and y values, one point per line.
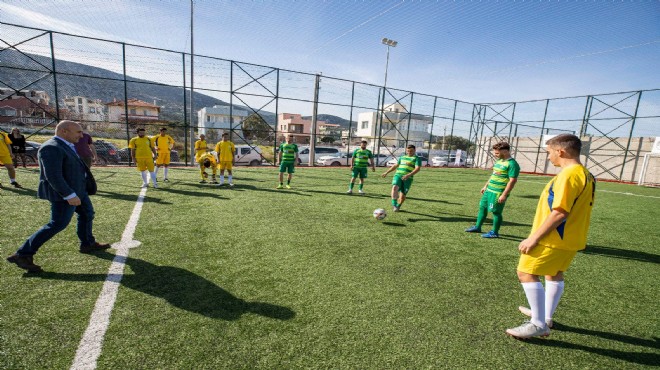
287	157
406	167
497	189
359	166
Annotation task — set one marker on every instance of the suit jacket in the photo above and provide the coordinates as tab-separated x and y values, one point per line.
62	172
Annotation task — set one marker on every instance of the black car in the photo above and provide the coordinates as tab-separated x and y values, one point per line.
31	149
106	153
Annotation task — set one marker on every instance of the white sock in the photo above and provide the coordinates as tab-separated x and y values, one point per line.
153	177
222	179
145	180
156	171
536	298
165	171
553	292
229	178
11	181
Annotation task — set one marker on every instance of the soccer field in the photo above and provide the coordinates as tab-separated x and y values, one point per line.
254	277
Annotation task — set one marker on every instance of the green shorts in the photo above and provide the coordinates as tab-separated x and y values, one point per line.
404	186
360	172
489	201
288	167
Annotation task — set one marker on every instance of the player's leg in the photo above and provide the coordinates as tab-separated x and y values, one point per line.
141	165
230	175
290	171
167	167
214	170
150	168
395	197
222	173
363	175
481	216
554	289
351	184
12	174
281	176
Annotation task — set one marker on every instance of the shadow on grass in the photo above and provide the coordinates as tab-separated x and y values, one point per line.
21	191
622	253
181	288
643	358
127	197
268	190
393	224
190	192
536	197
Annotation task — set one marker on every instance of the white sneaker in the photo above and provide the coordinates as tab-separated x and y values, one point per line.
528	330
155	185
144	185
361	192
231	185
350	191
528	312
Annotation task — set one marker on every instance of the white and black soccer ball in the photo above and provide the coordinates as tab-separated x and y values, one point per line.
379	214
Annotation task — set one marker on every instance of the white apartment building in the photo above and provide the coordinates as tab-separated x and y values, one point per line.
213	121
396	127
86	109
36	96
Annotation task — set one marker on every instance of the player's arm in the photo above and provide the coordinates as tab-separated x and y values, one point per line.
8	143
507	190
556	217
233	154
411	174
295	159
393	168
171	143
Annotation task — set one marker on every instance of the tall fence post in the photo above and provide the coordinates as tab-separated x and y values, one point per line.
185	110
541	143
52	58
350	124
315	112
632	127
126	122
428	152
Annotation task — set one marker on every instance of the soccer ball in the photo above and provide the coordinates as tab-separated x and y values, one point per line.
379	214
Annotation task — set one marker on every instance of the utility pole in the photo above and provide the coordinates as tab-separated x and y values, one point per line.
444	137
315	112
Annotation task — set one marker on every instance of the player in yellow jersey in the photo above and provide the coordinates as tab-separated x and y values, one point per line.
201	147
225	150
560	230
164	144
7	158
205	161
143	151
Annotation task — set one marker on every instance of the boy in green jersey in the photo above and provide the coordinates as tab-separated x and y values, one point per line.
359	162
406	167
497	189
287	157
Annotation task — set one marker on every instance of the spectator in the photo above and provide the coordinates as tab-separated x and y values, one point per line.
86	149
17	146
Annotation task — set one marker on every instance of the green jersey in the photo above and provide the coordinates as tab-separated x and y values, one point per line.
361	158
503	171
407	165
288	152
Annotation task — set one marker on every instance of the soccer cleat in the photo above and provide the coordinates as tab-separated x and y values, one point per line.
395	209
528	330
288	186
203	182
490	235
166	180
231	185
527	312
279	186
473	229
144	185
361	192
16	185
350	191
213	182
155	185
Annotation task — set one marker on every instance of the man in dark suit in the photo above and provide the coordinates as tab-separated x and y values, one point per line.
64	181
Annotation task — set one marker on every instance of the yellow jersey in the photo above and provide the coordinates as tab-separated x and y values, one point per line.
4	149
204	157
142	146
225	150
573	189
163	143
200	147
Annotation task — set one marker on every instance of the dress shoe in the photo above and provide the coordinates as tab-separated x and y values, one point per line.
24	262
93	248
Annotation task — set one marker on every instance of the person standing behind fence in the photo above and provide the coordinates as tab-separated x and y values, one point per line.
64	181
497	190
164	144
201	147
7	159
287	157
225	150
560	228
17	146
86	149
142	153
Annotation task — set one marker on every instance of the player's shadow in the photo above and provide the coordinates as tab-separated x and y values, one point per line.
397	224
181	288
190	192
434	201
436	218
535	197
622	253
273	190
343	193
127	197
21	191
642	358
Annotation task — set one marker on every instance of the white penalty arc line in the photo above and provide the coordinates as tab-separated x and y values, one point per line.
91	343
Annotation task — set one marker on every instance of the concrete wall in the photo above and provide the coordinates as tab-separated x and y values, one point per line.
603	156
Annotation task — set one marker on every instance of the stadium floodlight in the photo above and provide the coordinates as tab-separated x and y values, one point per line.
388	42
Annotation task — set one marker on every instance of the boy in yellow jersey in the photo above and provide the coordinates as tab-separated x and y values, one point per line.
406	167
143	152
201	147
7	158
497	190
560	230
207	160
164	144
225	150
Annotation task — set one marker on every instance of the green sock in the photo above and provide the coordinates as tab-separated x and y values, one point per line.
497	222
288	181
483	212
350	185
361	186
394	203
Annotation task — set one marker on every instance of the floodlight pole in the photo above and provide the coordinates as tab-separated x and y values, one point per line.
387	42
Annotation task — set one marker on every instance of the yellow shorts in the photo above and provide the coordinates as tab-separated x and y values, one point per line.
6	159
163	158
145	164
545	261
224	165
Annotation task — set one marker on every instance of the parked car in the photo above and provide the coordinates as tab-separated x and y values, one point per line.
303	152
106	153
31	149
342	159
425	161
441	161
381	159
246	155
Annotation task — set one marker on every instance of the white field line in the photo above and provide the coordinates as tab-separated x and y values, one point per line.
91	343
604	191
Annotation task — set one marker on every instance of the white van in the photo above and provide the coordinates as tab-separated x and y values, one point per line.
246	156
303	152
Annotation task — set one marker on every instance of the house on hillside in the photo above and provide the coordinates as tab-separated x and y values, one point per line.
213	121
35	96
301	129
138	111
23	111
85	109
398	127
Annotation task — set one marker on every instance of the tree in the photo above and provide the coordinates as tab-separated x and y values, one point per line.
254	127
453	143
328	139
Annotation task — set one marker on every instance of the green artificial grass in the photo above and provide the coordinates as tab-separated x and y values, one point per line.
254	277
